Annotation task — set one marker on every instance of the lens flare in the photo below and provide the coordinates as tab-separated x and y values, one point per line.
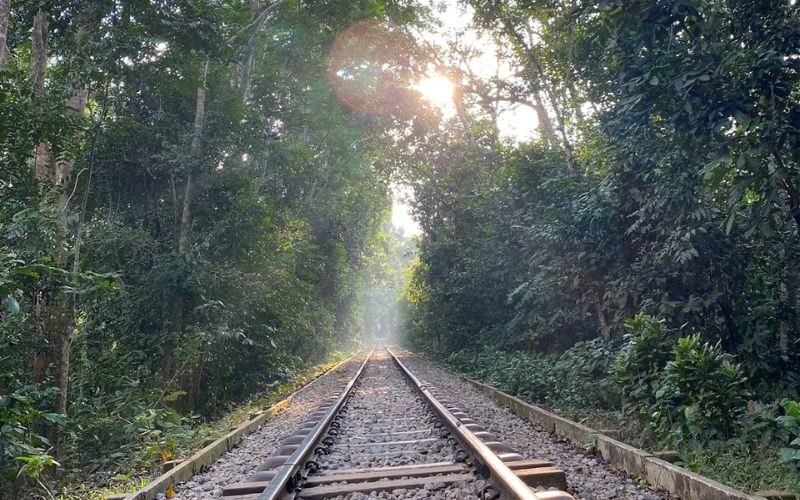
369	67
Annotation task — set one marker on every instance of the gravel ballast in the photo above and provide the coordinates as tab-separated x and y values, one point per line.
587	476
235	465
385	408
387	424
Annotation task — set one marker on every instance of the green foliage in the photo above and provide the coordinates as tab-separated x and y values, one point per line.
685	388
789	430
24	452
638	368
189	261
702	393
744	464
749	458
575	379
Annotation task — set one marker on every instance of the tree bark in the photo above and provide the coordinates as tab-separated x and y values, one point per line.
258	19
601	317
194	156
76	106
41	155
5	13
185	228
458	101
41	158
788	299
39	56
249	57
55	313
544	121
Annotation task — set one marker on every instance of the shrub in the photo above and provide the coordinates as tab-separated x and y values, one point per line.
579	377
638	366
23	452
702	394
574	379
789	431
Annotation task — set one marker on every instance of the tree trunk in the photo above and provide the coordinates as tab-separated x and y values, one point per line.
731	339
41	155
76	106
788	299
249	57
458	101
601	317
41	158
194	155
184	231
5	13
544	121
39	56
258	19
55	308
186	214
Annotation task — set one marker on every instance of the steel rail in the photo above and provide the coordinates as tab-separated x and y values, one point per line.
277	487
503	476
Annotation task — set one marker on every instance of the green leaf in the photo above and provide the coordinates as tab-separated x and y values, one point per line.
729	223
786	455
11	305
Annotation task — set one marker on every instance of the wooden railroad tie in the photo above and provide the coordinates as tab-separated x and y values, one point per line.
535	473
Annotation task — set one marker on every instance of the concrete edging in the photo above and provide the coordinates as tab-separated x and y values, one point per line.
639	463
209	454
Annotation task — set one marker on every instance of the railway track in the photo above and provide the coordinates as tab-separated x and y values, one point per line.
387	434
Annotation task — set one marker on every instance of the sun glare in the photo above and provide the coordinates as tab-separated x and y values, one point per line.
437	89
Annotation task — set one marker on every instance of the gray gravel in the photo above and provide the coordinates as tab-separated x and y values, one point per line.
382	407
588	477
235	465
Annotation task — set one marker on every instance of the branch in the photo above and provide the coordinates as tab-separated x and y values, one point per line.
258	21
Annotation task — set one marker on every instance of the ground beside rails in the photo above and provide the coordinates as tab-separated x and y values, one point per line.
389	434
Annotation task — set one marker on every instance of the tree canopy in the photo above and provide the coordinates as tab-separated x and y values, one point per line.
195	202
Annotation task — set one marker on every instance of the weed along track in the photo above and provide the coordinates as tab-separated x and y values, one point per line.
384	433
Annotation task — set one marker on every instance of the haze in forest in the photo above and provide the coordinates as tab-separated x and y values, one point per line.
592	205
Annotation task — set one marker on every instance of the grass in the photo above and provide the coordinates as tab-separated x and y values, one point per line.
742	466
139	471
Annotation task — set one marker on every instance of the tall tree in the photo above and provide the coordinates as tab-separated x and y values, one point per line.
5	13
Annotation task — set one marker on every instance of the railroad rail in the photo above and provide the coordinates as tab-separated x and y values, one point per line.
388	431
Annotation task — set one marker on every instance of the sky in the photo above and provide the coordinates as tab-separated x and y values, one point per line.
516	123
401	212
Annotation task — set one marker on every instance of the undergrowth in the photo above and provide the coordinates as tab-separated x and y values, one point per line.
662	391
183	439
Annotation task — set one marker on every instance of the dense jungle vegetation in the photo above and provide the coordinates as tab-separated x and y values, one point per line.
190	218
636	267
195	202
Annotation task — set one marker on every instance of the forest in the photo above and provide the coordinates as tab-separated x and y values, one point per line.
196	201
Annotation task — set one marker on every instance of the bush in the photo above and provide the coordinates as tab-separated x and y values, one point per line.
638	365
789	431
24	453
684	390
581	377
702	395
574	379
